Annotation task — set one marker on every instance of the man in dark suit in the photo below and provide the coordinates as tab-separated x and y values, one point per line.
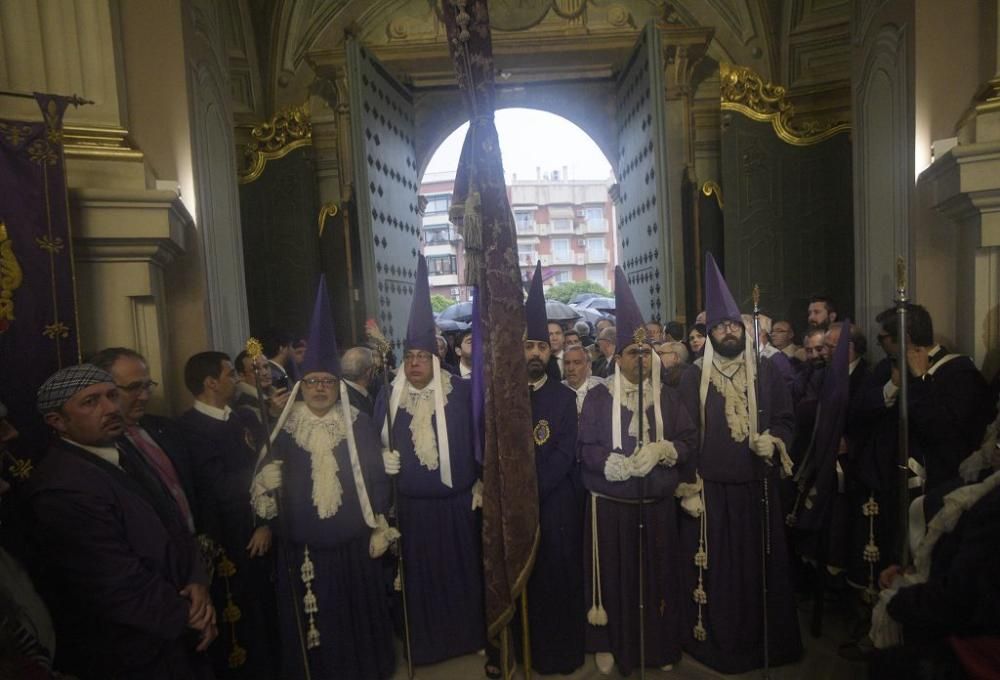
117	563
158	439
224	444
358	368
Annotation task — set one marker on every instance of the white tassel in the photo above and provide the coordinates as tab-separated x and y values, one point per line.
597	615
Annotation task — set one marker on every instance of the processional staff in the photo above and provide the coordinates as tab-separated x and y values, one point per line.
903	480
639	338
256	351
383	348
765	499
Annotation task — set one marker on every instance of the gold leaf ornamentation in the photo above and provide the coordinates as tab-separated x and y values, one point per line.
56	330
41	152
11	278
14	133
744	91
288	130
53	246
21	468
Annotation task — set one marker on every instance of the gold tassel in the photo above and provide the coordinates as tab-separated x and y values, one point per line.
700	595
871	552
231	614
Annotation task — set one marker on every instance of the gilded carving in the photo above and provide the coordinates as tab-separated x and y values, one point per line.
711	188
744	91
288	130
11	278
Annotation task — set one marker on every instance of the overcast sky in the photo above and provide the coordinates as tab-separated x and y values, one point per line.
530	139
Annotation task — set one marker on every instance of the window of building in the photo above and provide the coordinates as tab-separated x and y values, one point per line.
437	236
441	264
597	274
525	221
437	204
595	249
560	250
562	276
562	225
593	214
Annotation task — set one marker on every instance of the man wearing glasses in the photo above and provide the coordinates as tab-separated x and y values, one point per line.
158	439
430	451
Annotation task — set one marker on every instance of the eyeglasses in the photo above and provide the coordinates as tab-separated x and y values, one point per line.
139	386
729	325
325	382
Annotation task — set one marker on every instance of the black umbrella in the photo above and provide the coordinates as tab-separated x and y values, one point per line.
449	326
460	311
560	311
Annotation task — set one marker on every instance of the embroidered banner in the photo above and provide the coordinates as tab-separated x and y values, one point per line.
479	203
38	319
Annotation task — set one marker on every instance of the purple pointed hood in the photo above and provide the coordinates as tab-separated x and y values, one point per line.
719	303
322	356
534	309
420	330
628	318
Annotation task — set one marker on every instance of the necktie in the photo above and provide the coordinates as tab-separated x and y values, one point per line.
164	469
131	461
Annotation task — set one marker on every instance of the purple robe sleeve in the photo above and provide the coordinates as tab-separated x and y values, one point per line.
95	560
594	430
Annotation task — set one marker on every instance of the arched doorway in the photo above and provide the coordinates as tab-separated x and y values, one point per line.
559	185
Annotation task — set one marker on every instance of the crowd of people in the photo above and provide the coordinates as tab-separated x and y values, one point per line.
275	529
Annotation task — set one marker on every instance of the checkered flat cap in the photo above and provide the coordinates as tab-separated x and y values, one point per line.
66	382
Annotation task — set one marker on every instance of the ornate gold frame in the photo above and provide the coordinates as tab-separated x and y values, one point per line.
744	91
287	130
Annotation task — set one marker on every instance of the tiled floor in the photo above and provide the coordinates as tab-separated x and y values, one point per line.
820	662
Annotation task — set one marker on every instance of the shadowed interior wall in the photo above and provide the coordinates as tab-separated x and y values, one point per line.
788	219
281	244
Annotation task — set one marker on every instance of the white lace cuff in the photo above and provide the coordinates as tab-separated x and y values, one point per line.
265	506
666	452
617	468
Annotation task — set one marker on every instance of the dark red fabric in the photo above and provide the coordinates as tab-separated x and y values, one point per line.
979	656
510	494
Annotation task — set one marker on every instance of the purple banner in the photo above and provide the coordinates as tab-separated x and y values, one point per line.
38	319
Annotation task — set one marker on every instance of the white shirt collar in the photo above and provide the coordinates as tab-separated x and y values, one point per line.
356	386
851	366
211	411
464	370
537	385
106	453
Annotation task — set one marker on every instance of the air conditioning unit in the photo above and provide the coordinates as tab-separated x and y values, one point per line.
580	212
581	242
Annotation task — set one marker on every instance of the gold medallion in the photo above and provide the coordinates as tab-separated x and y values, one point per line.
542	432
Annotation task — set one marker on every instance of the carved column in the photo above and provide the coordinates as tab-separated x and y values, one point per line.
683	49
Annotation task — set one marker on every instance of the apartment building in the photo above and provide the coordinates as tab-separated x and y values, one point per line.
567	224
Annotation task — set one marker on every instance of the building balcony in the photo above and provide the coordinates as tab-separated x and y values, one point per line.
527	259
442	280
431	249
527	229
595	226
597	258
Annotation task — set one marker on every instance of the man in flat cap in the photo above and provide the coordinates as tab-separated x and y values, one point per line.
117	563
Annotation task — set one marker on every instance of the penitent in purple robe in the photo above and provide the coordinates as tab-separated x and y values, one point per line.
556	613
617	533
352	617
734	614
441	540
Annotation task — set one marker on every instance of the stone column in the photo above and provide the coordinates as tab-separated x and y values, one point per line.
683	49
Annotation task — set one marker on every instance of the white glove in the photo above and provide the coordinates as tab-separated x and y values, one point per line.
477	494
644	460
382	536
269	477
390	460
762	445
666	453
692	505
617	468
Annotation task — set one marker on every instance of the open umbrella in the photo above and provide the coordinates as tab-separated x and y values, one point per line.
560	311
601	304
460	311
449	326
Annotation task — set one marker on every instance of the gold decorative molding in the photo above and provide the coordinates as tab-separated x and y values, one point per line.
100	143
288	130
326	210
744	91
711	188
